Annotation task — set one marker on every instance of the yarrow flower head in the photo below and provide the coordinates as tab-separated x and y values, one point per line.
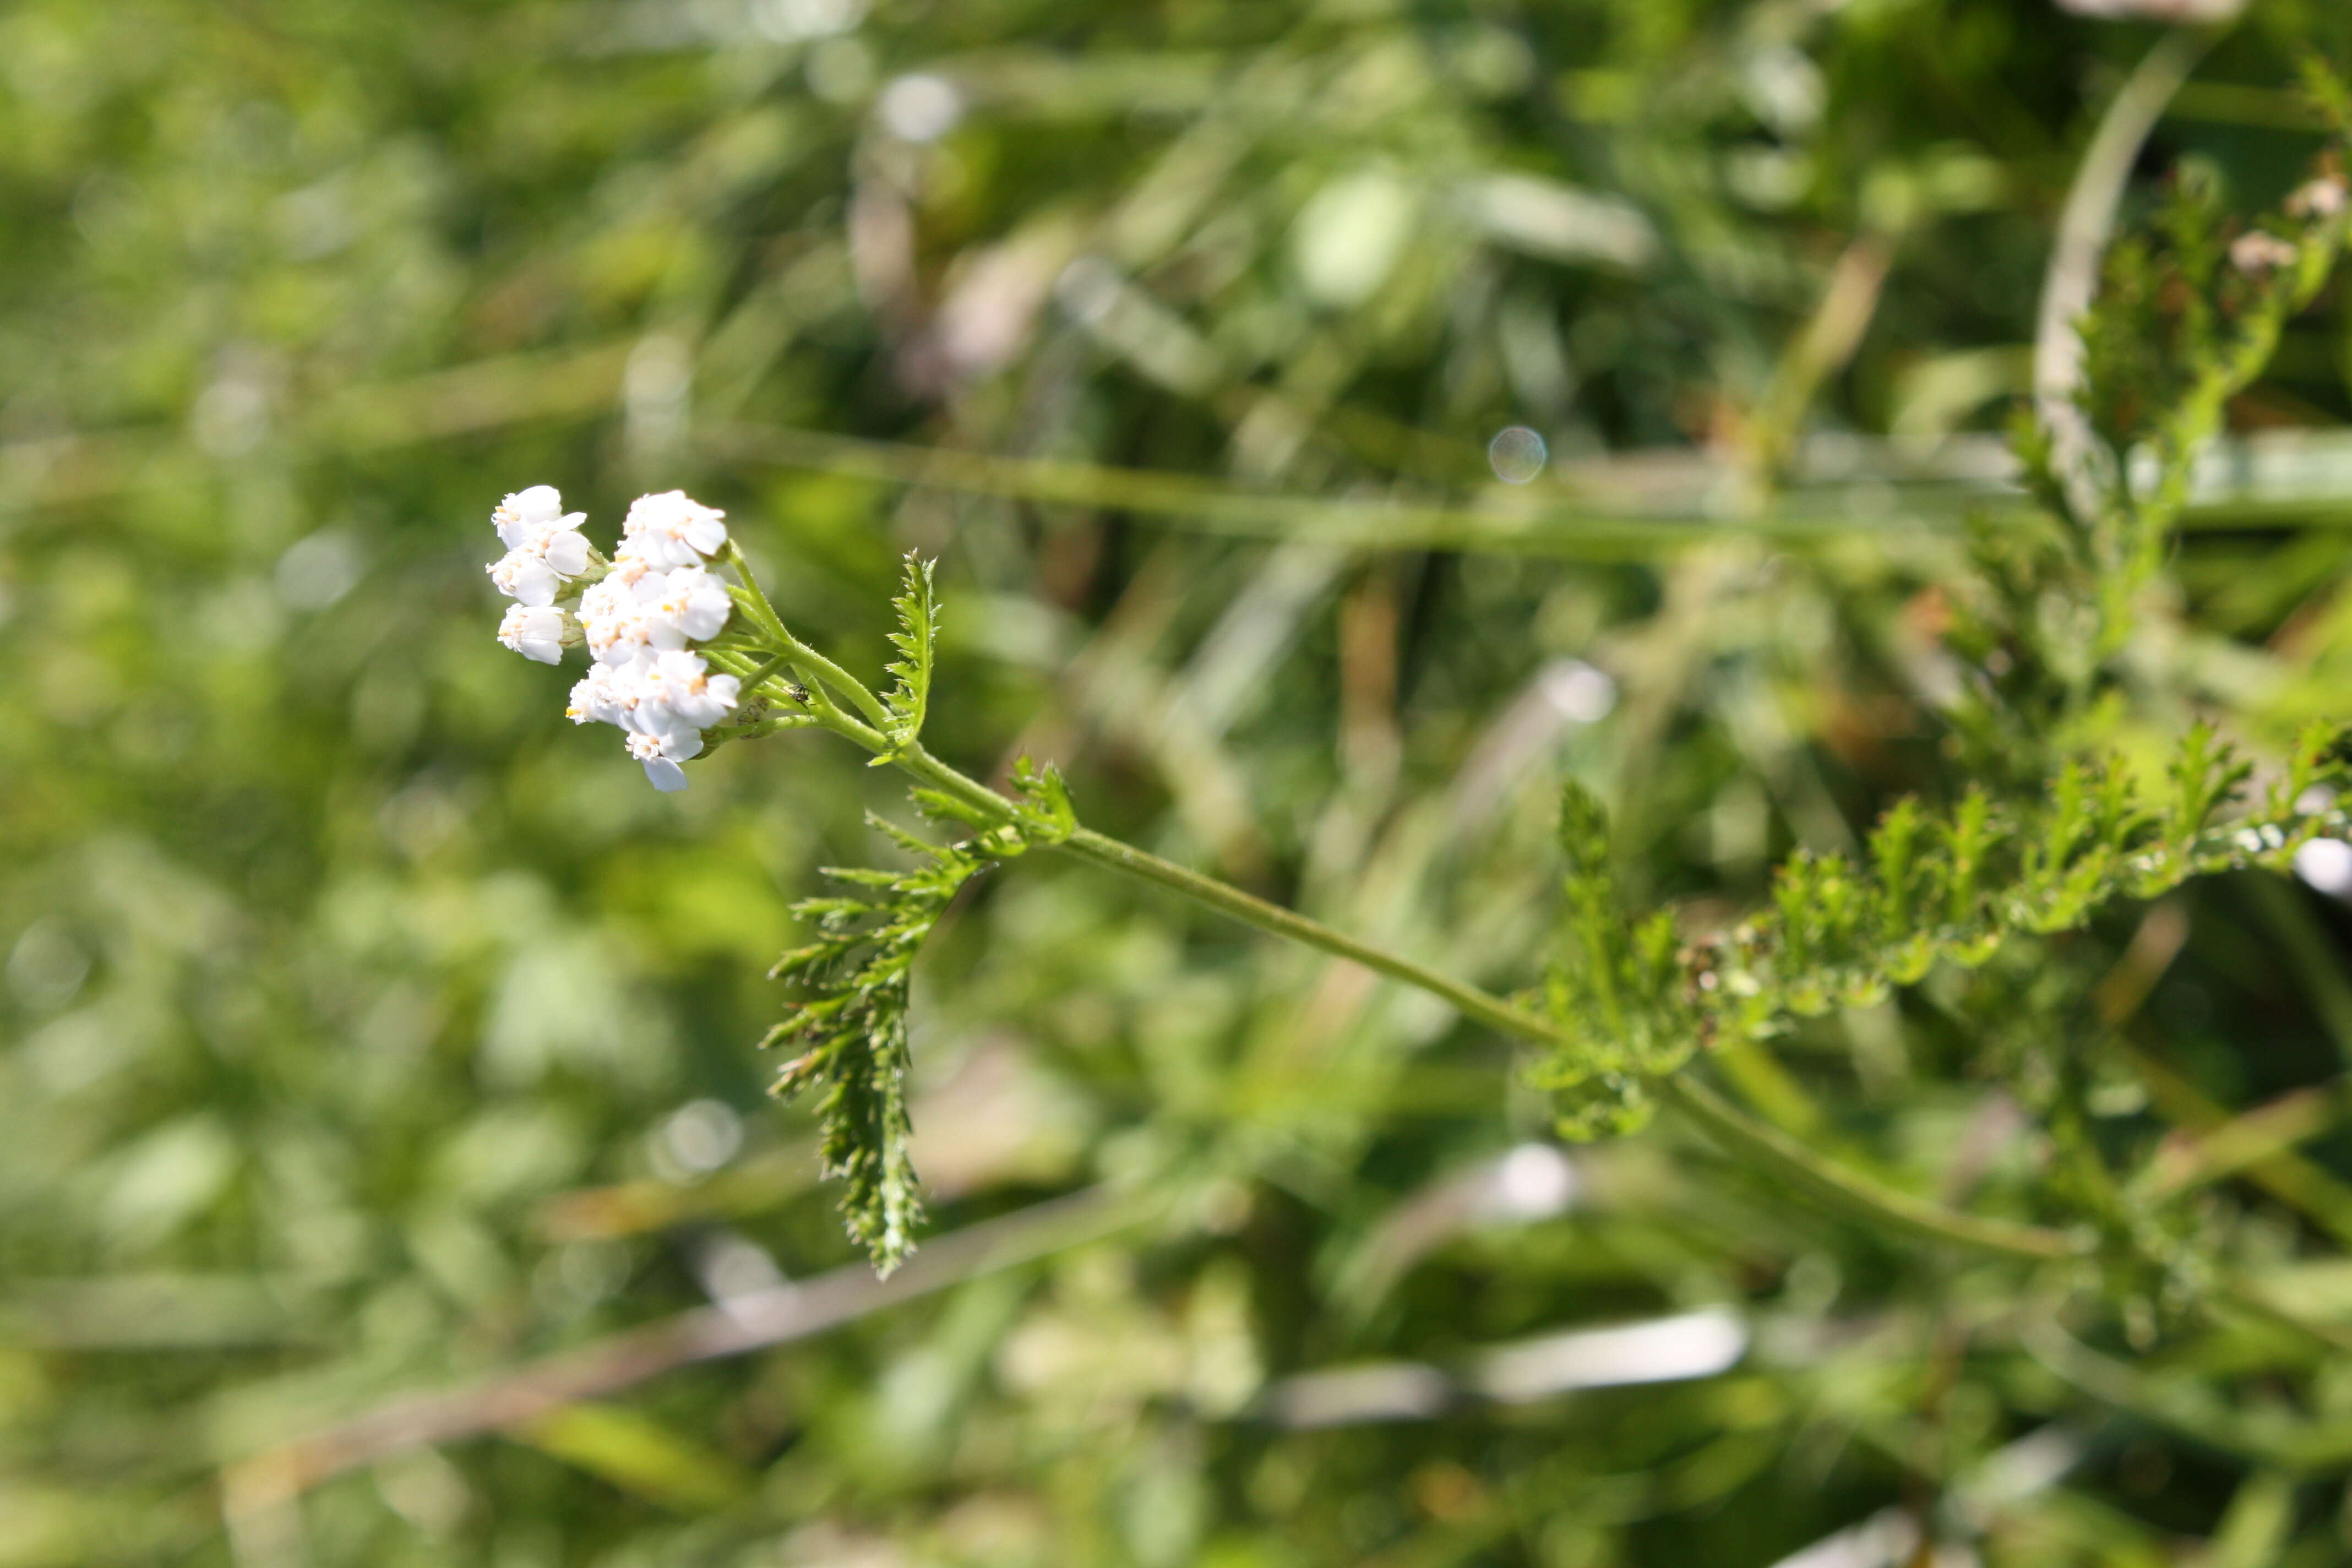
642	617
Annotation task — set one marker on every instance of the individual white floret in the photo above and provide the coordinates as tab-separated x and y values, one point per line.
680	693
534	571
634	572
539	631
608	694
672	529
615	620
526	514
662	753
566	548
522	575
688	606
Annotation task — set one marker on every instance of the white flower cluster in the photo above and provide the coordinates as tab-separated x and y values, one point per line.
640	616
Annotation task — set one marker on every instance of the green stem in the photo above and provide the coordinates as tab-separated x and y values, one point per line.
755	599
1087	844
1765	1148
762	611
821	709
765	673
1841	1188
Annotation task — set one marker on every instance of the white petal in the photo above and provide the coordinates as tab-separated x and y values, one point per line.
618	651
526	513
706	610
567	552
539	503
520	574
535	582
666	775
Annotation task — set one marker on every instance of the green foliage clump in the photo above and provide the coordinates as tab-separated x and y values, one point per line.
2190	316
1619	993
1932	888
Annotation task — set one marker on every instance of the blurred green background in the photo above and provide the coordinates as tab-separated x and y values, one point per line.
372	1033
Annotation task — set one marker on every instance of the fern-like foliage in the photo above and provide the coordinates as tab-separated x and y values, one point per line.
1617	991
1039	814
850	1021
1946	887
908	700
853	985
2188	316
2056	825
2189	313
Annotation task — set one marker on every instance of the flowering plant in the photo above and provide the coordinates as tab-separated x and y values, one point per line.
685	659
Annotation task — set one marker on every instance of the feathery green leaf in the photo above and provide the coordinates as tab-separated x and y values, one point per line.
909	701
851	1023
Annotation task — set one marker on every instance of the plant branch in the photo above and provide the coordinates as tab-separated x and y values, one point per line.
1841	1188
802	654
1767	1150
